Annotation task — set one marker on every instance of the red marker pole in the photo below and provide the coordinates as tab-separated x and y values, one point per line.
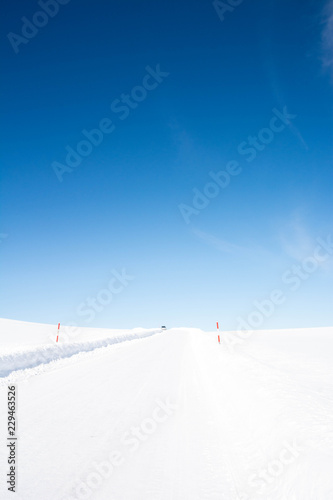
218	329
58	332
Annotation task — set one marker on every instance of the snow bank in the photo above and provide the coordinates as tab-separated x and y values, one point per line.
29	358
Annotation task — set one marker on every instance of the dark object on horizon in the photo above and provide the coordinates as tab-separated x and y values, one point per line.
163	327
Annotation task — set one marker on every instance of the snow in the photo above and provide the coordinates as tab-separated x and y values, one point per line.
152	415
22	359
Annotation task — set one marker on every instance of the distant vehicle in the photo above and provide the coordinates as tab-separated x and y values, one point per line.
163	327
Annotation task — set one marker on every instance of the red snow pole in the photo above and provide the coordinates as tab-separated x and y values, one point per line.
58	332
218	329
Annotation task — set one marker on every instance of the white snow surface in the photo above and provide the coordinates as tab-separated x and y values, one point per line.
173	415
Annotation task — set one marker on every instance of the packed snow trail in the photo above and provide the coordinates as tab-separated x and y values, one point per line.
176	416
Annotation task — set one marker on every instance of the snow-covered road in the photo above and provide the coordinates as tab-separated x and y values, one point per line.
176	416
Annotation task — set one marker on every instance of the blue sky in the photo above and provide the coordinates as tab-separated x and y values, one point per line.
198	87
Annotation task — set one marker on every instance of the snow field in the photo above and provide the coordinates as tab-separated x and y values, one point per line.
177	416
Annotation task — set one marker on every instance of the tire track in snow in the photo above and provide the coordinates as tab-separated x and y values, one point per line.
226	455
291	378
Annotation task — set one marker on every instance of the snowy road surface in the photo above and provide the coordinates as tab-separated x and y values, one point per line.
175	416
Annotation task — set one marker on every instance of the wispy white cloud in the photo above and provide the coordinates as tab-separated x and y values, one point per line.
252	250
294	238
184	144
327	36
218	243
297	241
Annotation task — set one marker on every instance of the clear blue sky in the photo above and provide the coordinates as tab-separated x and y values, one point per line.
122	207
